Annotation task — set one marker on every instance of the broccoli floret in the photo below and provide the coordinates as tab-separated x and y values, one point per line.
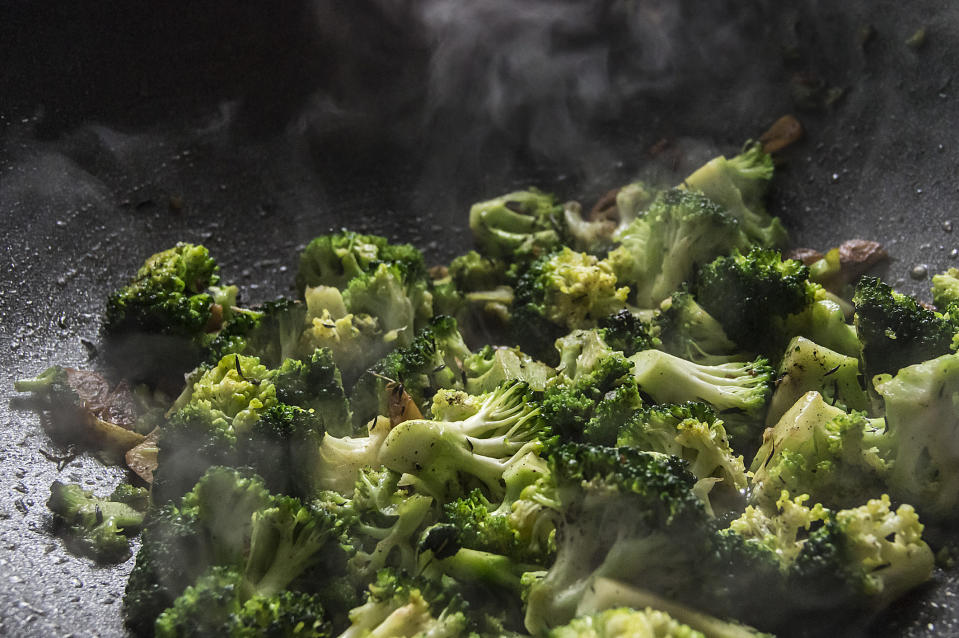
739	185
738	390
563	291
397	297
660	250
864	557
382	521
524	224
272	447
922	420
234	392
592	407
824	322
97	527
520	527
490	366
405	607
431	362
624	621
356	340
807	367
748	293
335	259
272	333
174	551
158	324
625	515
580	352
606	593
945	289
448	459
686	330
205	608
895	330
626	332
820	450
335	464
473	272
690	431
596	234
316	384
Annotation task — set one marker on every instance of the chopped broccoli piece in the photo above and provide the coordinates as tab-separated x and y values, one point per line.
686	330
562	291
945	289
824	322
922	419
336	463
807	367
272	333
335	259
820	450
432	361
661	249
450	458
739	185
524	224
272	447
750	294
316	384
623	621
490	366
97	527
594	405
737	390
690	431
895	330
626	332
624	514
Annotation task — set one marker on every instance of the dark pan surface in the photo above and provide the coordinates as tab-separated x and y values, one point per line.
124	130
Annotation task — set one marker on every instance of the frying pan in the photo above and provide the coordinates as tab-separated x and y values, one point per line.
253	127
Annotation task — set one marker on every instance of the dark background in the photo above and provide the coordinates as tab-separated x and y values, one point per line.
251	127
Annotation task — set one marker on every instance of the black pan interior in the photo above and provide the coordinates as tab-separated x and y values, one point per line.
252	127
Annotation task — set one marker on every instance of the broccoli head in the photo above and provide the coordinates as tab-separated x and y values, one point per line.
686	330
623	621
819	450
747	293
945	289
490	366
895	330
316	384
524	224
739	185
626	332
922	419
97	527
660	250
335	259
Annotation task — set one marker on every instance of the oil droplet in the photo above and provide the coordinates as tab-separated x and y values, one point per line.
954	253
835	177
919	271
947	226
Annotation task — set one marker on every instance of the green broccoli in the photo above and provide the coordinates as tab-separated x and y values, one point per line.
626	332
738	391
807	366
686	330
316	384
596	234
824	322
335	259
559	292
398	297
272	333
945	289
95	526
693	432
524	224
624	514
750	294
490	366
739	185
158	324
432	361
580	352
922	404
594	405
895	330
272	447
448	459
662	249
818	449
623	621
404	607
335	464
